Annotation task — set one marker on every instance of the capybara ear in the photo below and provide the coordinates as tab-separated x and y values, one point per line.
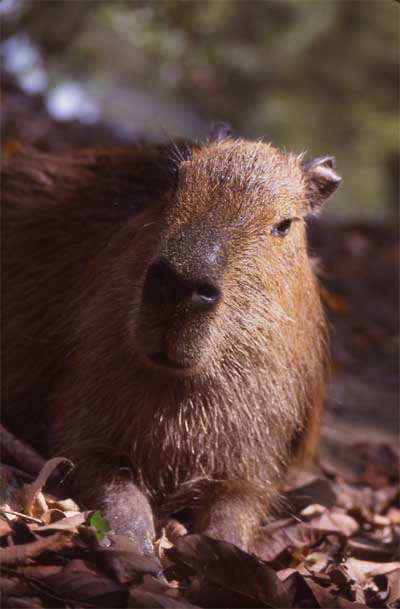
219	132
321	181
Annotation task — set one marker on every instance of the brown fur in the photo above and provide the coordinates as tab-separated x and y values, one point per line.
218	435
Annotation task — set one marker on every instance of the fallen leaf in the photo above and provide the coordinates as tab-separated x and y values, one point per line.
123	562
394	589
64	505
366	548
345	523
295	536
65	524
316	562
4	527
362	570
40	570
140	597
228	567
33	492
20	554
100	525
318	491
79	581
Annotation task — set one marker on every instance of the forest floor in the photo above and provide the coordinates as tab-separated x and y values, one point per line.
336	544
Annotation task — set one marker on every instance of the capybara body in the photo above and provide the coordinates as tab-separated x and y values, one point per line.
162	325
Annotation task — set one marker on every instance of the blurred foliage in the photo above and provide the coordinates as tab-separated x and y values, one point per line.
307	74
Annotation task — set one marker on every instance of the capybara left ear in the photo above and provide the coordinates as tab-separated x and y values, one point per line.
321	181
219	132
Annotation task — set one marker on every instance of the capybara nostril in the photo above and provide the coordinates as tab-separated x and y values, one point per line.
204	295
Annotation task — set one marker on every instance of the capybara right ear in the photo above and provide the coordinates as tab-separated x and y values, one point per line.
321	181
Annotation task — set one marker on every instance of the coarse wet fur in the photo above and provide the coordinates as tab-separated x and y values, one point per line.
162	325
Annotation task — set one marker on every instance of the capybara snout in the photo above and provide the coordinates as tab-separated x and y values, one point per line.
167	287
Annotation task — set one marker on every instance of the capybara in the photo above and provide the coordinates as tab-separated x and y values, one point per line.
162	325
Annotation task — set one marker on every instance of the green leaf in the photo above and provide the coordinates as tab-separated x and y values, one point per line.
102	527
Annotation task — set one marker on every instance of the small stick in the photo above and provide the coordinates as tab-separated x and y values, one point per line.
26	458
13	513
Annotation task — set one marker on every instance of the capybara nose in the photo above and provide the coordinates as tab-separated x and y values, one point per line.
166	287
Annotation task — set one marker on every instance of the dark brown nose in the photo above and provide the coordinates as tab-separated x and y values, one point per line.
166	287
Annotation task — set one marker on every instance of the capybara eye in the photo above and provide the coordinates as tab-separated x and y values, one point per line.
282	229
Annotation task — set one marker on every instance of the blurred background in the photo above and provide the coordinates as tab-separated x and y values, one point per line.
320	76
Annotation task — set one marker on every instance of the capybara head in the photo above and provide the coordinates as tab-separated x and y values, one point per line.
229	272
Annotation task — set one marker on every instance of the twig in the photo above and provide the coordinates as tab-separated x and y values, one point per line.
13	513
26	458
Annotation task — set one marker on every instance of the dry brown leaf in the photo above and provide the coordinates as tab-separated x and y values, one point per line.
160	546
11	515
304	535
82	582
53	515
294	537
140	596
40	570
324	597
334	522
283	574
18	602
316	562
312	511
394	589
32	493
362	570
226	566
4	527
393	515
368	548
122	560
64	505
345	523
317	492
65	524
21	554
